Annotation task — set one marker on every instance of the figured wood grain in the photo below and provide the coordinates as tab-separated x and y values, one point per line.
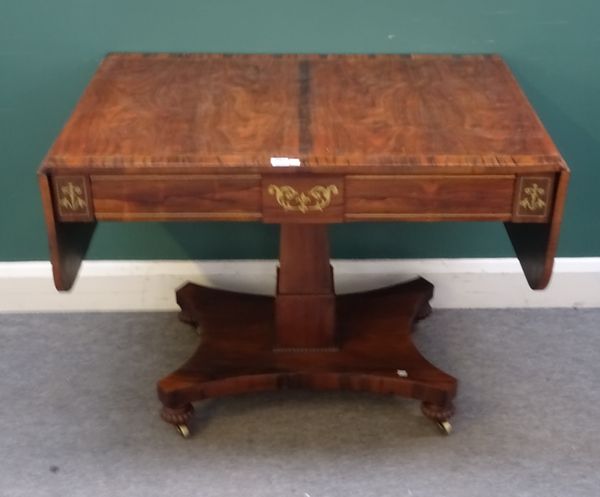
420	197
162	197
394	106
210	113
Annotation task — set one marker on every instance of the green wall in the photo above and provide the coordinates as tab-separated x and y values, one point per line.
49	50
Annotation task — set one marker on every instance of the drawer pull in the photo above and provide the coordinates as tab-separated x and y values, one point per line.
317	198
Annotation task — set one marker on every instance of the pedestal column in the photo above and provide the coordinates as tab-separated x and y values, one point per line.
305	300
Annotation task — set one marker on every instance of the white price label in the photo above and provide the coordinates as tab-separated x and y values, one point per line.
285	162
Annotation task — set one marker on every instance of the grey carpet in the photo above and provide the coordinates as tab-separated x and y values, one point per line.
78	415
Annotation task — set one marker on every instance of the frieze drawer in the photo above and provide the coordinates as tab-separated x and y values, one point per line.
184	197
429	197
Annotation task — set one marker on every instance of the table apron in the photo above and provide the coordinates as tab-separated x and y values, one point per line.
304	198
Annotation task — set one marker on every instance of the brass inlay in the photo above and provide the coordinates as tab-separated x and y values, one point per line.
71	197
533	198
317	198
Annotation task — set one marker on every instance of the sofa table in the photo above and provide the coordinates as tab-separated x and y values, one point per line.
304	141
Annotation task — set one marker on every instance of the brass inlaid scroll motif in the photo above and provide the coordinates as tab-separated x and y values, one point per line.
533	199
71	198
534	196
317	198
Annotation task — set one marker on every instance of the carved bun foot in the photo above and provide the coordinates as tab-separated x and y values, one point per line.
180	417
436	412
439	414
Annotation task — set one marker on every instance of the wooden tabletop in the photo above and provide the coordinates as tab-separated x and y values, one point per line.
209	112
390	137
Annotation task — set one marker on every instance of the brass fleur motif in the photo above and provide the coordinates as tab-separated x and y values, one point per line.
317	198
533	200
71	197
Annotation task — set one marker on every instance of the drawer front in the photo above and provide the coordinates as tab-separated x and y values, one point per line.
430	198
302	199
185	197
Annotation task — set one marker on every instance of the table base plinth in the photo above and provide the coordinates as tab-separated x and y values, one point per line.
373	352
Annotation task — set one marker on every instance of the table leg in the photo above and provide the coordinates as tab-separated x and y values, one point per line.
68	241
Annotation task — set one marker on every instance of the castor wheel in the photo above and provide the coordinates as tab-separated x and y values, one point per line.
445	427
180	417
439	414
183	430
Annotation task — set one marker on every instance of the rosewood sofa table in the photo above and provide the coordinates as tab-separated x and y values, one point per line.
304	141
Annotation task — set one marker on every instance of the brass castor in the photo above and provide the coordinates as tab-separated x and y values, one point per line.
440	414
445	426
183	430
180	417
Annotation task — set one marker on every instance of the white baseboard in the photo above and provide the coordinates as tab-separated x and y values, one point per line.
150	285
